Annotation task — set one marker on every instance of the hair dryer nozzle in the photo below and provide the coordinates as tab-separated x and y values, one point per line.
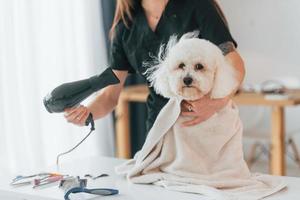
71	94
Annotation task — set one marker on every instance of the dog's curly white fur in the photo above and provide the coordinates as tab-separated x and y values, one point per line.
206	158
190	68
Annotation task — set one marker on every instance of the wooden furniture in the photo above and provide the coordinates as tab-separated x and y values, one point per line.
127	191
139	93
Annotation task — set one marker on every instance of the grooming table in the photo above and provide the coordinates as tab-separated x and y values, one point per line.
98	165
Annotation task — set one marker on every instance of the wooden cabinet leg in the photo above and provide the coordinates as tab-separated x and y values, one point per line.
122	130
277	160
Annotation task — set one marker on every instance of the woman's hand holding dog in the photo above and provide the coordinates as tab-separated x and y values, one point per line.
201	109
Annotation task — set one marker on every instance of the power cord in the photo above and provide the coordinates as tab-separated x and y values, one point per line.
89	120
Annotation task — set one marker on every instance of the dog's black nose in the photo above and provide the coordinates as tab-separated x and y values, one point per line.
187	80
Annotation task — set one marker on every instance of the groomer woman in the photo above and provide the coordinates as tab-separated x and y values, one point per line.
138	30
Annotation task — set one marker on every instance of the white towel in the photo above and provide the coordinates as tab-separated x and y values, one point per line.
206	159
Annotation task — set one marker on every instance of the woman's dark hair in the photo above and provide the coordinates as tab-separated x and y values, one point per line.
124	9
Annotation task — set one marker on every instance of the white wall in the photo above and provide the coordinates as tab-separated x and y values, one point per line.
268	34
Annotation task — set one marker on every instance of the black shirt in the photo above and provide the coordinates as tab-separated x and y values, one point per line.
133	45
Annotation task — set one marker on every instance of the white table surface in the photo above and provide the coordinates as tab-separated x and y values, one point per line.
128	191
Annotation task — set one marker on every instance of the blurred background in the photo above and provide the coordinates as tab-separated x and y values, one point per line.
44	43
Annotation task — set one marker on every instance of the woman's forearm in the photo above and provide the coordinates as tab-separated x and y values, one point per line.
237	62
103	104
107	98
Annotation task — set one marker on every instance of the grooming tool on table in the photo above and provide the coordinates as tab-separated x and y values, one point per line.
47	181
21	180
73	185
95	177
36	179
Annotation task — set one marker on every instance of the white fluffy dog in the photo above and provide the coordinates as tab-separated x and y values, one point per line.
206	158
191	68
188	69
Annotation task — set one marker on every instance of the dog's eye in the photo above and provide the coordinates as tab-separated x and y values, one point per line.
198	66
181	65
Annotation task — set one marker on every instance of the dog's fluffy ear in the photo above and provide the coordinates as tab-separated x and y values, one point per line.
156	70
226	80
159	80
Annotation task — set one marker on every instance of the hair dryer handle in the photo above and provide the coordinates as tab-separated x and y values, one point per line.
89	120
